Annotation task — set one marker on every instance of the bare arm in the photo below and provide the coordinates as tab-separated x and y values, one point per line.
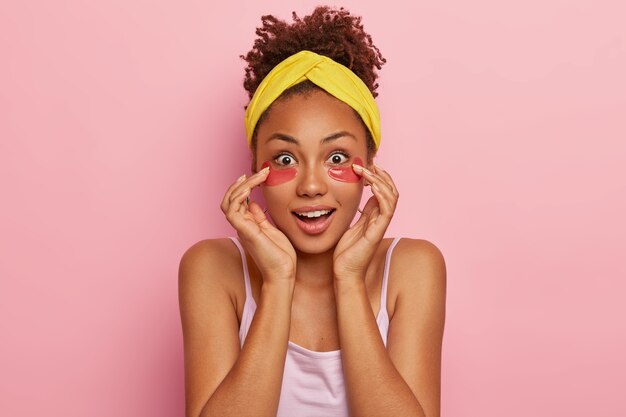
221	379
404	379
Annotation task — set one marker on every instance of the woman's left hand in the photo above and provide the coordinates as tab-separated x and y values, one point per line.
357	246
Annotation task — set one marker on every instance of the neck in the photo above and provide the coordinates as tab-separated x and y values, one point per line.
315	268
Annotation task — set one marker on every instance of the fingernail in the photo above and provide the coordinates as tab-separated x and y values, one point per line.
264	170
358	167
241	178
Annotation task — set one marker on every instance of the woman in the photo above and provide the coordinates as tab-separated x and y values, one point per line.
306	315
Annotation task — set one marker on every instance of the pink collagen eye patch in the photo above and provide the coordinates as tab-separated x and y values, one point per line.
278	176
345	174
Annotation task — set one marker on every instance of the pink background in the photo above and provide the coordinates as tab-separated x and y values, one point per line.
504	125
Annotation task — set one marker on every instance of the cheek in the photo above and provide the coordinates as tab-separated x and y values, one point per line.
345	174
278	176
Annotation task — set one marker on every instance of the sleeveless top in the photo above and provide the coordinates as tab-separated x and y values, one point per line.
313	382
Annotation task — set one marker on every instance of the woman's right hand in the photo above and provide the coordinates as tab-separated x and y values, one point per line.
268	246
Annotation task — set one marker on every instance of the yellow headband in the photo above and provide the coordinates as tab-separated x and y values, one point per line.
322	71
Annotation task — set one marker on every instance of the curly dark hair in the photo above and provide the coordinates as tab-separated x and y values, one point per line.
331	32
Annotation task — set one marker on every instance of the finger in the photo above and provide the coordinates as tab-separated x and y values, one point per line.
374	216
358	169
243	207
364	216
385	176
257	179
229	191
386	200
236	204
382	186
376	179
365	173
376	228
251	182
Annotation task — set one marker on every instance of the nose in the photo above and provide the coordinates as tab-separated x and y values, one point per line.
312	181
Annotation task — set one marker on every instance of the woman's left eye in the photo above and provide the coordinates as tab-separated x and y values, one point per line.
338	158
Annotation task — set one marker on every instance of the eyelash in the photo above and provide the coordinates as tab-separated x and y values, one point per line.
340	152
278	155
343	153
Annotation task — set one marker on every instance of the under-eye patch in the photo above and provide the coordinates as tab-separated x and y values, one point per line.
279	176
345	174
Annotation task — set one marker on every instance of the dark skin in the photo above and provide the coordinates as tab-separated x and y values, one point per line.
321	292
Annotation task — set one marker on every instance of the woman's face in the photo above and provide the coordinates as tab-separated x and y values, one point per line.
311	141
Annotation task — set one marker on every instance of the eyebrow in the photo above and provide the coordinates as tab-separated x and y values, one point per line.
329	138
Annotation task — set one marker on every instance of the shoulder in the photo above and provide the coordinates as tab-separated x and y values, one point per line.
209	254
418	269
208	251
210	264
411	255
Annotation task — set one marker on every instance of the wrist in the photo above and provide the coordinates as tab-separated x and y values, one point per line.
349	282
282	277
278	287
349	273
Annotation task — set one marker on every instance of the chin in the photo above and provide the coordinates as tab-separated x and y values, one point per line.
317	246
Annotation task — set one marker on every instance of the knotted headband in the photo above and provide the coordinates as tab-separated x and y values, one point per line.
336	79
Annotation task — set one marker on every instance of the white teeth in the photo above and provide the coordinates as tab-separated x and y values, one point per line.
311	214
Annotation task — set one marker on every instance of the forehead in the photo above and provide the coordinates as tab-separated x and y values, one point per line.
309	118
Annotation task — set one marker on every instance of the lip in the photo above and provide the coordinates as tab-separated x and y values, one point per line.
314	229
317	227
306	209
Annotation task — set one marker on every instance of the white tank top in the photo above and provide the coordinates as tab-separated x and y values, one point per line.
313	382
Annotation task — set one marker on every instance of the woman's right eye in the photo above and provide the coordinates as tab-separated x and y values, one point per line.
284	160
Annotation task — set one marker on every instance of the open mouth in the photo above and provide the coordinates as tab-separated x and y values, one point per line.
314	222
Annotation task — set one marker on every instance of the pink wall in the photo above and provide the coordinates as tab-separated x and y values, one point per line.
504	126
